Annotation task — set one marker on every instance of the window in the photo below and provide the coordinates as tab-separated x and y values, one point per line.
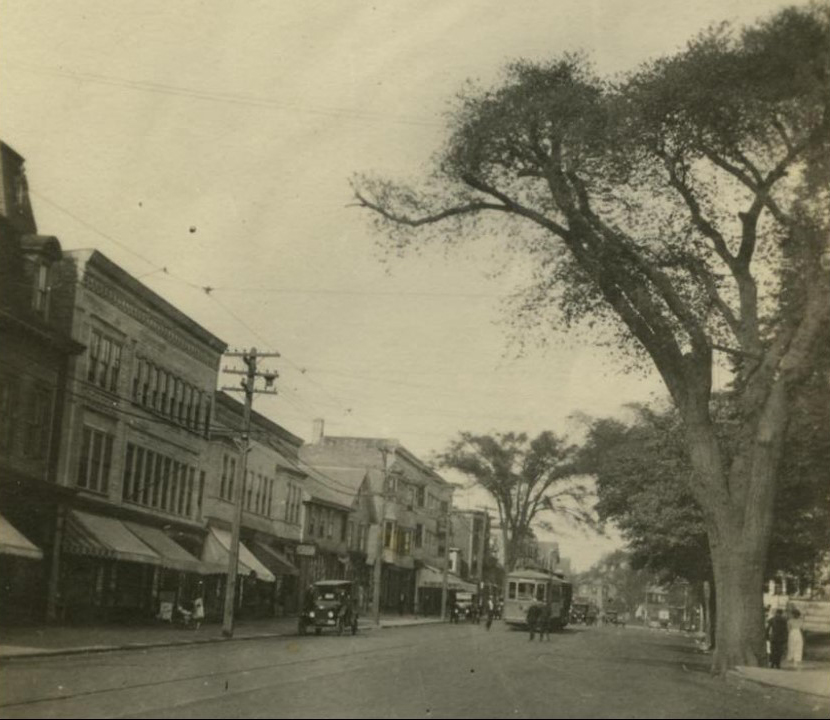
126	485
311	515
540	592
526	590
419	535
329	523
36	438
511	590
223	482
96	458
405	542
420	496
8	413
388	533
200	497
104	361
231	478
351	539
40	300
342	527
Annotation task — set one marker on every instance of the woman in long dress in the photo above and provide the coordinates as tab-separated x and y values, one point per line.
795	638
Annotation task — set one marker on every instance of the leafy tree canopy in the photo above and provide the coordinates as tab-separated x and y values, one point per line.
528	478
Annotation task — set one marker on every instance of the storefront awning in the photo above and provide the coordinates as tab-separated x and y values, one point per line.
172	554
12	542
217	548
274	559
430	577
99	536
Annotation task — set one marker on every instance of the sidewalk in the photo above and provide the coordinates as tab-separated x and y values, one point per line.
813	677
39	641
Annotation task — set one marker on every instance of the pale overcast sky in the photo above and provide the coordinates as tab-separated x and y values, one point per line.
216	140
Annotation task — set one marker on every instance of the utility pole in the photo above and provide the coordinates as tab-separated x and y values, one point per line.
248	386
445	583
384	451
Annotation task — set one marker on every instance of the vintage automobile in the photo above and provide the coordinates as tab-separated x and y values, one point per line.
329	604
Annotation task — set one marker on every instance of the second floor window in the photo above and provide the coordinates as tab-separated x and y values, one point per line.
36	440
104	361
95	461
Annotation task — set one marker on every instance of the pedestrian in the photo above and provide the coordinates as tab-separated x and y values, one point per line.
795	638
533	620
544	622
777	636
490	612
401	604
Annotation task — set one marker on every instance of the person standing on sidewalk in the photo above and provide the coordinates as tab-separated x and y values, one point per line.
777	636
795	638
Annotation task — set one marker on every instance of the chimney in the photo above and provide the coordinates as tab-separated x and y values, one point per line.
317	431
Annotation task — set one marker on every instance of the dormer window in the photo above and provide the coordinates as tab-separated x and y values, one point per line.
40	297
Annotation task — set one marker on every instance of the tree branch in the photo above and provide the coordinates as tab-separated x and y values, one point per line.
466	209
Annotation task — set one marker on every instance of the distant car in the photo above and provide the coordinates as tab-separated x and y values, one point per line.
330	604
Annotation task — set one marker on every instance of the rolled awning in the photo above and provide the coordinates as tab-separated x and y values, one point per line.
430	577
105	537
172	554
217	550
274	559
12	542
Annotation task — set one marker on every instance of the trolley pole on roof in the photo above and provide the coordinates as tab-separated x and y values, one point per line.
248	386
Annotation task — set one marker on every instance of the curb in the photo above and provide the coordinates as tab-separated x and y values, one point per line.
740	675
97	649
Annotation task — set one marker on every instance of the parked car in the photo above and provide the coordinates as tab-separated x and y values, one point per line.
329	604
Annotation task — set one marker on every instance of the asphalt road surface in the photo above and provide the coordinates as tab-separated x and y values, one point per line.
429	671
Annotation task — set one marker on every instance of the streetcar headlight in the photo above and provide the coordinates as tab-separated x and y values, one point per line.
331	614
311	613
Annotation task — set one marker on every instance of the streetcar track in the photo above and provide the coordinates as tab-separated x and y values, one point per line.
201	676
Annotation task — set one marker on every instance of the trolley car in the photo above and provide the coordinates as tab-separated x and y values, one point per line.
524	589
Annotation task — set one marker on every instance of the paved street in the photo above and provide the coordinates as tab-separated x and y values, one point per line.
425	671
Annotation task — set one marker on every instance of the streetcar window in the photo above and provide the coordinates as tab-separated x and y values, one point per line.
555	592
526	590
540	592
511	590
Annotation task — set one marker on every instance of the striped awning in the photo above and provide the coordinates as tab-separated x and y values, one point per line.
172	555
217	550
105	537
13	542
274	559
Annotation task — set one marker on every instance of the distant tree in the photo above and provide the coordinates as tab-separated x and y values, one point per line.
685	210
629	580
527	478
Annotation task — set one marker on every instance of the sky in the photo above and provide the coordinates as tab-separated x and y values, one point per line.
206	144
